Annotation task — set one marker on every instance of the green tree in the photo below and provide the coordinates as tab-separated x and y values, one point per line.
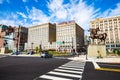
36	49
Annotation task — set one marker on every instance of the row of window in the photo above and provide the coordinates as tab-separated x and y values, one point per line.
105	21
113	45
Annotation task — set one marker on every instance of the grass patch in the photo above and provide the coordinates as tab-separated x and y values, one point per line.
59	54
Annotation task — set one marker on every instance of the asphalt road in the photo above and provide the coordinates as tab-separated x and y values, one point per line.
109	65
27	68
91	74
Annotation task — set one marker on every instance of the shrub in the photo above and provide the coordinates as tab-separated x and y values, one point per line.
54	53
116	51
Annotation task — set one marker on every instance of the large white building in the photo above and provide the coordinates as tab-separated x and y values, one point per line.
43	35
71	35
63	36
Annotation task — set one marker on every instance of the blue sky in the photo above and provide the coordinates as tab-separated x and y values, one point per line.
33	12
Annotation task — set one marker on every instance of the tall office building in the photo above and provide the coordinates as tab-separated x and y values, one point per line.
111	26
63	36
69	36
43	36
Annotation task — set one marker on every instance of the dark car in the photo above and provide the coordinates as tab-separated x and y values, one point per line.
46	55
16	53
31	52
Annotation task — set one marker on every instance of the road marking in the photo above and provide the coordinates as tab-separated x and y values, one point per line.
75	66
108	69
65	74
112	65
2	56
70	68
53	77
69	71
97	67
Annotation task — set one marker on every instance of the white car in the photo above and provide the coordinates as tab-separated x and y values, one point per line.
46	55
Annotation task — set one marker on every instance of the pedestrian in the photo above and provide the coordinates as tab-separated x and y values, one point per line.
73	52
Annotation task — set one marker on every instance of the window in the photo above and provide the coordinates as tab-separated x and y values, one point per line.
106	29
112	45
107	45
117	45
105	21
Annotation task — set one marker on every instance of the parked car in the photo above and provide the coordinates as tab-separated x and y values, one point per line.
15	53
31	52
46	55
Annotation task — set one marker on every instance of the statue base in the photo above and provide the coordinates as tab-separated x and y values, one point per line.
98	51
4	50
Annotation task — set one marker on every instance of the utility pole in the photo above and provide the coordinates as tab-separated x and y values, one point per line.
17	45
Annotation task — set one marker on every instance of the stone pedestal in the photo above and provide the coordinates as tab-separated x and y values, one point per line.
97	51
3	50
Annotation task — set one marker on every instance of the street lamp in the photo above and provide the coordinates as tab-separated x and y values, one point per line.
32	45
87	48
72	43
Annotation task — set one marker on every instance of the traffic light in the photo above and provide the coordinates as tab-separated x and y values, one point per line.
63	42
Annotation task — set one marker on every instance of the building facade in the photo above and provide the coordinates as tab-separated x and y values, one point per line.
111	26
71	35
43	36
20	36
2	34
62	37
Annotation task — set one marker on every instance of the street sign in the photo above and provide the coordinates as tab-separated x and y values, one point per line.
58	43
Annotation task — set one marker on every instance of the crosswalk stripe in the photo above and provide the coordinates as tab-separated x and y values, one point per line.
79	67
68	71
65	74
2	56
69	68
53	77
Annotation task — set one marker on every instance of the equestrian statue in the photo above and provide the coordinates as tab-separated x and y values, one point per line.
94	35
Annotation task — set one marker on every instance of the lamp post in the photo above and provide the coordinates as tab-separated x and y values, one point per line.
87	49
72	43
32	45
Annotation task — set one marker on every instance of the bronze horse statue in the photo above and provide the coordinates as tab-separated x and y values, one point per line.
95	35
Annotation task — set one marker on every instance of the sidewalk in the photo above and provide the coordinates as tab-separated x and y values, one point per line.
105	60
112	59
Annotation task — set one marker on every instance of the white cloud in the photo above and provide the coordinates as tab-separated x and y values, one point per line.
116	11
22	14
37	15
57	10
75	10
111	12
79	11
8	22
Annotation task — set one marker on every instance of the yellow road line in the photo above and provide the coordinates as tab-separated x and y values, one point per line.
108	69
